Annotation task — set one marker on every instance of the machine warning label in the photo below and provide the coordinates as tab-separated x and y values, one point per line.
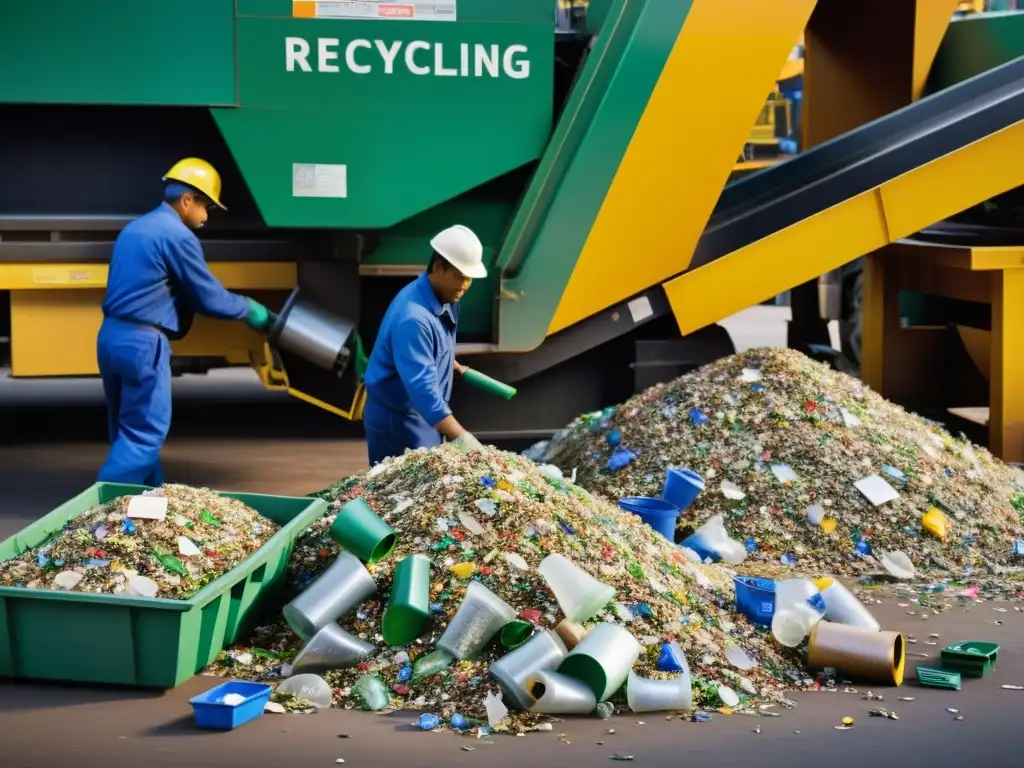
319	180
410	10
76	277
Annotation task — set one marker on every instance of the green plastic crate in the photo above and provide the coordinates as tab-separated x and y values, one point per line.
137	641
973	658
934	677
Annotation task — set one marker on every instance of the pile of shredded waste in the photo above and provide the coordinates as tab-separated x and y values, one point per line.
493	516
108	550
782	443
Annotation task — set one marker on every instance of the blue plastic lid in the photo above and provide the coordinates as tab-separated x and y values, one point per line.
817	602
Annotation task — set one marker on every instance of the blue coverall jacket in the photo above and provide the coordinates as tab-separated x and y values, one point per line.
158	279
409	376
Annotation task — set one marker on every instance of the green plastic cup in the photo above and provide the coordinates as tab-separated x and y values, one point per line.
358	529
487	384
515	633
408	610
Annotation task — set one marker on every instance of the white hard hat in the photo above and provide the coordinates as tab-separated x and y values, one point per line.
462	249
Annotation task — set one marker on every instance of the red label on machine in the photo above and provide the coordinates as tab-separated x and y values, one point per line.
397	11
420	10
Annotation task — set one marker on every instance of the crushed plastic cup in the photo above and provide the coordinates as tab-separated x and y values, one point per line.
556	694
480	617
842	607
515	633
545	650
312	688
339	589
646	695
579	594
408	611
711	540
798	607
603	659
682	487
358	529
660	514
331	648
792	625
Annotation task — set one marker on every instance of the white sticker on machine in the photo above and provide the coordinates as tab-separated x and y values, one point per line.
410	10
319	180
640	309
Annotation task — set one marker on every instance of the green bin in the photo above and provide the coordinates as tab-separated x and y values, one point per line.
972	658
136	641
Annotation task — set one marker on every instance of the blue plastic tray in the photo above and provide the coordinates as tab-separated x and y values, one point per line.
210	712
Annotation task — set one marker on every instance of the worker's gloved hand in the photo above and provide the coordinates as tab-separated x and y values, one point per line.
466	443
259	317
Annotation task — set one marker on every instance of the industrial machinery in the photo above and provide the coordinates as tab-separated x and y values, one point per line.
593	163
971	46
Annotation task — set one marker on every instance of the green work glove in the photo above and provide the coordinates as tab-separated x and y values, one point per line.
466	443
259	316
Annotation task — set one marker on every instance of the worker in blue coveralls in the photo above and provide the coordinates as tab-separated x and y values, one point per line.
158	279
412	366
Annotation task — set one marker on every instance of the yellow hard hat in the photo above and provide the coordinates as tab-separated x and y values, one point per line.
199	175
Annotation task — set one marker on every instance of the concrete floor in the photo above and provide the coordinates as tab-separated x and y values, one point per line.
229	436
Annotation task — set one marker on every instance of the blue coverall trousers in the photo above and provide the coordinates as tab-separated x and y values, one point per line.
135	366
389	433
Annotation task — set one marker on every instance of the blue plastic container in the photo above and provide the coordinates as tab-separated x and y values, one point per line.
660	514
755	599
682	486
210	712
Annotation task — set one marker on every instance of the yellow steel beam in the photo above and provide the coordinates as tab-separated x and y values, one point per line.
56	314
663	192
854	228
242	276
961	257
931	20
53	333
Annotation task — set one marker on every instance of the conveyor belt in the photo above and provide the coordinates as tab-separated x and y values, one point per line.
854	195
760	205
